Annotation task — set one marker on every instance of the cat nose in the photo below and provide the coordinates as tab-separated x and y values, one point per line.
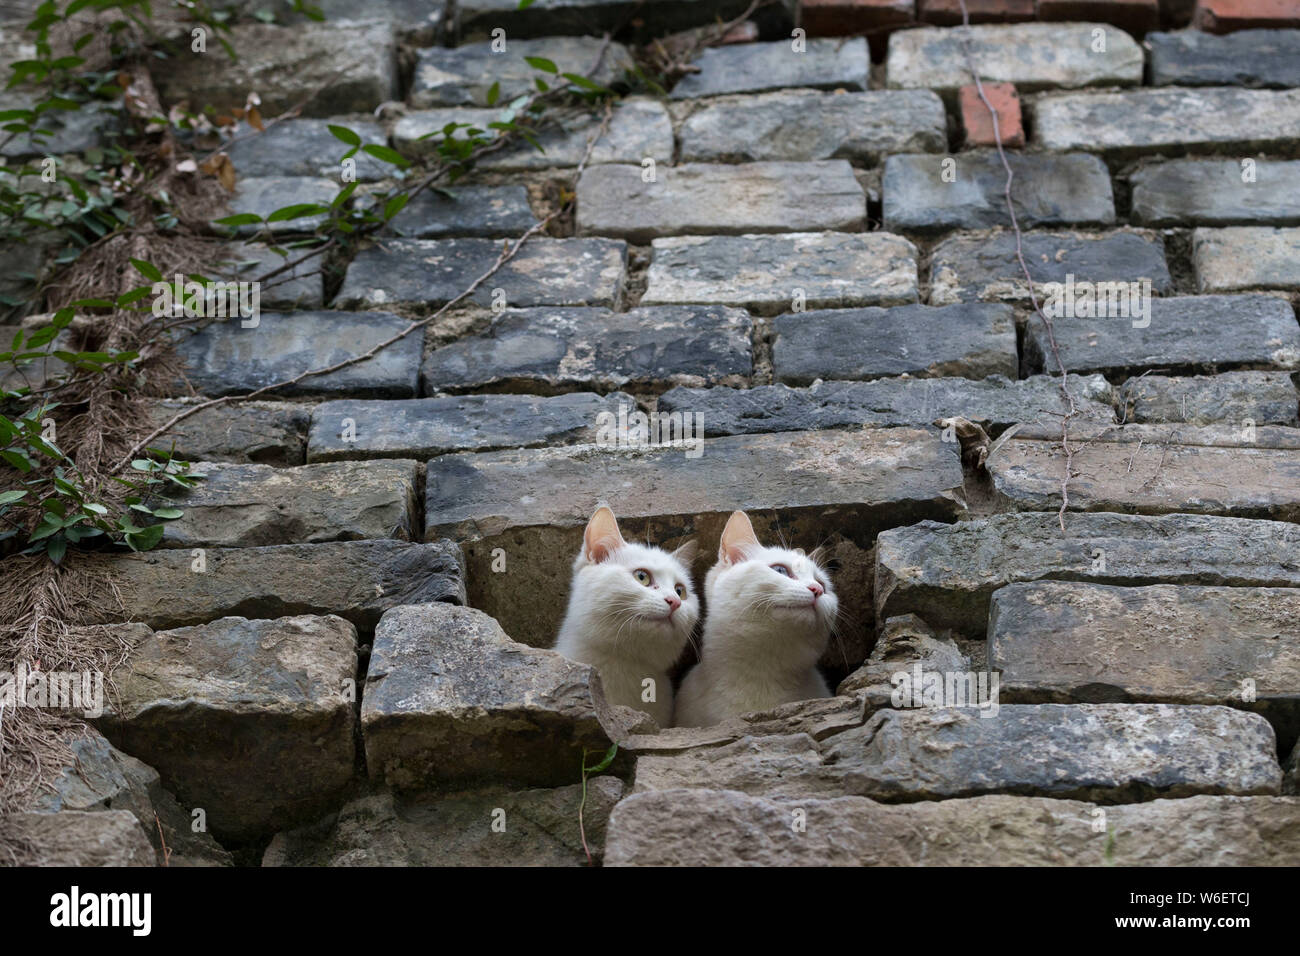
674	601
817	590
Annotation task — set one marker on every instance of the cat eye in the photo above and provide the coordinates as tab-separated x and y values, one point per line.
642	576
782	569
681	591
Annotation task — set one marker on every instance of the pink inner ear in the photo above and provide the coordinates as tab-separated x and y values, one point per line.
598	551
737	538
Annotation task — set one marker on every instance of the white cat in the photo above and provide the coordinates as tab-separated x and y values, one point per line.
770	613
632	609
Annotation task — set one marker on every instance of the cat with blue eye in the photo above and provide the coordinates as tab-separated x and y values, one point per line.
770	616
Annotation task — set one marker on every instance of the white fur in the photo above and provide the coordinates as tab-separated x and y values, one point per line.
622	627
763	635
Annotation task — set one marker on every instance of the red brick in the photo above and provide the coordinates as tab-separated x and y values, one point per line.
947	12
1136	15
837	18
977	122
1224	16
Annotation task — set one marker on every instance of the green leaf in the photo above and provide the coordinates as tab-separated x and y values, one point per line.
493	94
395	205
297	211
343	195
144	539
147	269
387	155
541	63
348	136
9	497
17	458
524	4
239	219
57	548
578	80
167	513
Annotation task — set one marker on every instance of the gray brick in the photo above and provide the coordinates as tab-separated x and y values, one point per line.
1244	58
1246	257
1069	642
488	212
1185	334
1214	193
432	272
1155	469
289	66
265	195
1050	190
946	573
250	505
700	198
306	147
639	129
426	427
301	287
476	19
984	268
764	273
995	402
463	75
825	64
557	349
268	433
224	358
1169	120
969	340
804	125
1265	398
1034	56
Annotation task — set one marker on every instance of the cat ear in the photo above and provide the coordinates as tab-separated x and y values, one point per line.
602	536
737	538
685	553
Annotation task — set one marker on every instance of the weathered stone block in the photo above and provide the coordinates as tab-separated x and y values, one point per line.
1155	469
1033	56
758	67
700	198
1215	193
328	68
668	828
357	580
1246	257
1052	190
947	573
268	700
555	349
1263	398
476	211
1182	334
767	274
225	358
985	268
1246	58
995	403
971	341
463	75
449	698
384	829
1070	642
805	125
426	427
80	838
432	272
307	148
1169	120
267	433
247	505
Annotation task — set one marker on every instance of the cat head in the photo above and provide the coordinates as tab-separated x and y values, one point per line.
782	592
642	597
